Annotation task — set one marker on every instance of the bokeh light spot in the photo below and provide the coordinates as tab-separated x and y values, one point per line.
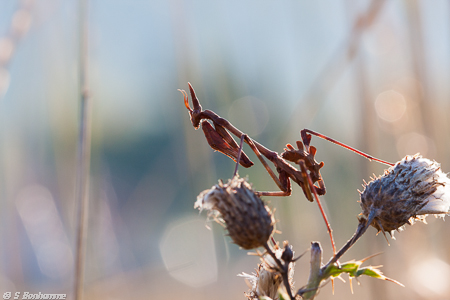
55	259
188	251
6	49
412	143
4	81
45	230
390	105
430	277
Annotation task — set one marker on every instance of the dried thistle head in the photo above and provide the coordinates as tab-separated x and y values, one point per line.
248	220
267	279
410	190
264	282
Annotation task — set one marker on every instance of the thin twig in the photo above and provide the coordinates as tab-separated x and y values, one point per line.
362	227
83	154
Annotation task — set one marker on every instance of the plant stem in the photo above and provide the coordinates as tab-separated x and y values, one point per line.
315	272
362	227
83	154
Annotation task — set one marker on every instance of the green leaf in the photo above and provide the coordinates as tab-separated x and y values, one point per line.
370	271
375	273
350	268
353	269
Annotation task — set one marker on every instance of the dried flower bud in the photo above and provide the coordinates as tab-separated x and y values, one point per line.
288	254
267	280
249	222
407	192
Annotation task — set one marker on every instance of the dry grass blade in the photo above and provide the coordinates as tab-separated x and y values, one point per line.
83	154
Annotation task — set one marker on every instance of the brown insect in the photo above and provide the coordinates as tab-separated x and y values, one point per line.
219	138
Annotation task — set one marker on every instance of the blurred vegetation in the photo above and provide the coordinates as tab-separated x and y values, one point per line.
372	74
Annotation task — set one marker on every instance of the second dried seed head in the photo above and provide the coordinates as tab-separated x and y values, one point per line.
413	188
248	220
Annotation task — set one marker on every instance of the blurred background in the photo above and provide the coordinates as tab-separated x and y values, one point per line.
371	74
